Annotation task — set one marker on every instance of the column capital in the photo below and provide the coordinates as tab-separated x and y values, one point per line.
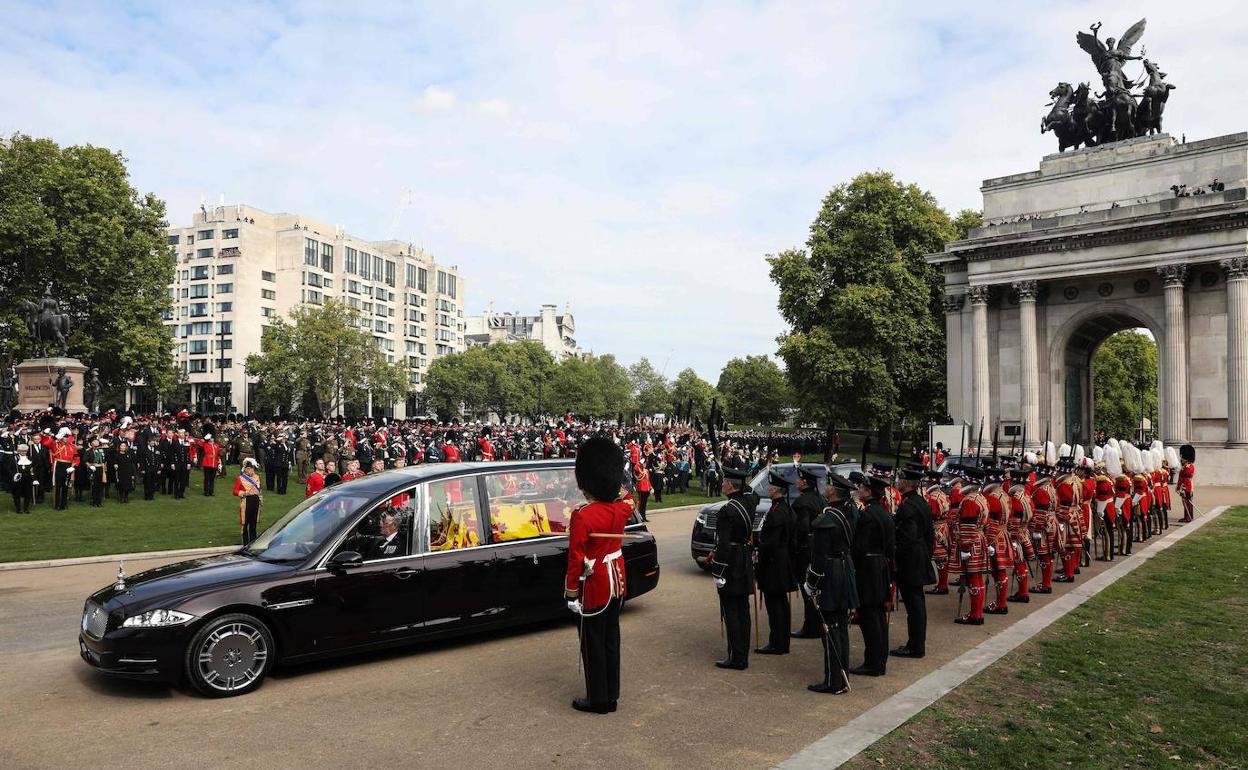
978	295
952	303
1174	275
1236	268
1027	290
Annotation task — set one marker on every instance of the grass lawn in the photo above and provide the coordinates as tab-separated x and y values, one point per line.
159	524
1150	673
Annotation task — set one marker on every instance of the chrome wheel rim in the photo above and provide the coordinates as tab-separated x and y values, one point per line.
232	656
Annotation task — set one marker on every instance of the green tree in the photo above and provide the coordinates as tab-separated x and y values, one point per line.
503	377
867	337
1123	368
614	385
321	351
688	386
575	388
651	391
756	391
70	220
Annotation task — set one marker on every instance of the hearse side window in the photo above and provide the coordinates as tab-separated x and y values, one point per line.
386	531
531	503
453	519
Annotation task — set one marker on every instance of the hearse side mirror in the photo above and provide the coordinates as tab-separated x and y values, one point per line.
344	560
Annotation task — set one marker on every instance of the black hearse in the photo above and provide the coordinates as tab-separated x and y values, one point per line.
415	553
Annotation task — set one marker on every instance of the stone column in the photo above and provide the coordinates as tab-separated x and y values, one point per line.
1236	350
978	296
1174	424
1029	383
952	304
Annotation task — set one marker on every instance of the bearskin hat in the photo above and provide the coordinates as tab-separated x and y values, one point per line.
600	468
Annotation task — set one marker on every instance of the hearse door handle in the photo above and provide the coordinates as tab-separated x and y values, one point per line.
534	557
405	573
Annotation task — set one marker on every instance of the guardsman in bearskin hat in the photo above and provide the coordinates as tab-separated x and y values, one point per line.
915	540
973	559
942	531
595	584
806	508
1187	479
830	581
997	535
732	566
774	569
874	550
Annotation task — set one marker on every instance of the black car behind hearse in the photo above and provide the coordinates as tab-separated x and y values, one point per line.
412	554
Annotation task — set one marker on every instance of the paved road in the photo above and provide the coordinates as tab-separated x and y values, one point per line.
500	700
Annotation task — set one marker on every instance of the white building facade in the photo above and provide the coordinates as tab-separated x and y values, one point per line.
556	331
237	268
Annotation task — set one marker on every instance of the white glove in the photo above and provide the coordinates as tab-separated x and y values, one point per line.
992	551
720	582
965	555
17	477
35	482
1035	535
71	469
574	606
808	589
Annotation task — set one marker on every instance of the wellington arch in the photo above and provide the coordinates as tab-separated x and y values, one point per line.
1147	232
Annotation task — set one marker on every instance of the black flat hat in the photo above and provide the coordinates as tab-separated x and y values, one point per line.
911	474
840	482
807	475
776	480
736	474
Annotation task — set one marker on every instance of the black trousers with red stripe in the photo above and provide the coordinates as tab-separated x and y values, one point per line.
600	652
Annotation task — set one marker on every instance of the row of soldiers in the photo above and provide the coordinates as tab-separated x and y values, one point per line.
878	535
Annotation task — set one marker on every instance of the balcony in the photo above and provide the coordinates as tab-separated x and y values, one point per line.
229	251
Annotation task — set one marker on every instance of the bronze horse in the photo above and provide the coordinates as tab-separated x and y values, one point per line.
1148	118
46	328
1060	120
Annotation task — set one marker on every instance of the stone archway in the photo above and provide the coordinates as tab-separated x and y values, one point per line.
1070	355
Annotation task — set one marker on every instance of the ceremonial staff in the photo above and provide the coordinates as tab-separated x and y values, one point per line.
995	430
979	442
710	431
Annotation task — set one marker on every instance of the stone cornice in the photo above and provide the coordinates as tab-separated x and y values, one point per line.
1079	241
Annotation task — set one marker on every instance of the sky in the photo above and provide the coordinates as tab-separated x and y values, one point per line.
634	161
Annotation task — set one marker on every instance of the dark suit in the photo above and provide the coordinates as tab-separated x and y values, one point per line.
806	509
731	563
383	549
873	551
915	540
775	571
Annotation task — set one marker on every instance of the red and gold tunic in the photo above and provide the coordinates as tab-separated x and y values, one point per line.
1069	509
1046	534
1019	528
941	513
972	519
1104	498
598	559
997	530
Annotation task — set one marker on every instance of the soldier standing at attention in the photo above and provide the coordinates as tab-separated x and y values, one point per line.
916	538
730	564
830	581
1187	479
874	550
775	566
806	508
595	584
302	451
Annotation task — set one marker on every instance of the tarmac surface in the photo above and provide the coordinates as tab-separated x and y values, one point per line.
496	700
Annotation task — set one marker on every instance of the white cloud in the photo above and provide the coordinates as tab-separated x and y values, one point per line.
636	159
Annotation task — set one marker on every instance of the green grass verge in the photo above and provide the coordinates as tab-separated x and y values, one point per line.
1150	673
156	525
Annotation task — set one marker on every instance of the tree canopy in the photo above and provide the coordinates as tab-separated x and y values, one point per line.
755	389
71	221
651	390
866	338
1123	367
688	389
320	351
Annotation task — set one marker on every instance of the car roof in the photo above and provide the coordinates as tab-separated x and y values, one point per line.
398	478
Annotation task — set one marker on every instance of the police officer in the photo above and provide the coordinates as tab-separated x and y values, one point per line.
873	552
806	508
829	581
775	567
730	564
916	537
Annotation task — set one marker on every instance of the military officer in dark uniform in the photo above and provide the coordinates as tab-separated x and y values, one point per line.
730	564
806	508
150	465
873	551
916	537
180	454
279	459
830	581
774	569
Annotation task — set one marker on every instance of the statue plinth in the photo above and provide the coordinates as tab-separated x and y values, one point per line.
36	389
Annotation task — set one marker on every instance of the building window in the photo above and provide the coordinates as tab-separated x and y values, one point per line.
199	272
352	260
229	234
313	296
225	307
268	294
199	309
225	288
225	344
327	257
190	239
265	275
268	312
353	287
225	270
198	365
379	326
328	283
312	279
379	268
389	273
197	346
201	327
223	327
224	363
199	290
173	240
204	253
311	256
205	235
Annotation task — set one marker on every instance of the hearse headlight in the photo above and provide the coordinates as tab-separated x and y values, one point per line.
157	618
701	518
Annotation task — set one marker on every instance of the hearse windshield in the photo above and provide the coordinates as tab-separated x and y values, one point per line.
306	527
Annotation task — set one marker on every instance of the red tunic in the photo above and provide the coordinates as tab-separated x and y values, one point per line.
972	518
599	558
487	449
1020	519
997	529
316	482
449	453
1046	533
1187	477
210	454
939	502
